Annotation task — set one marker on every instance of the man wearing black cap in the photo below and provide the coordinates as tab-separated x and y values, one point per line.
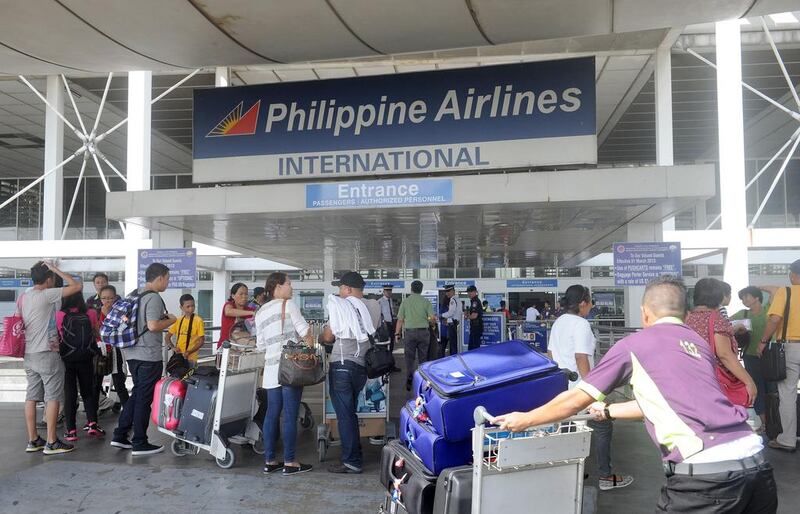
347	374
452	317
475	318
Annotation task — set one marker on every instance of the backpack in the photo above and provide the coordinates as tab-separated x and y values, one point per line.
120	328
76	341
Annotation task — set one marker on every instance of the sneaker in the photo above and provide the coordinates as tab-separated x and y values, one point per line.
57	447
122	443
342	469
86	427
615	482
272	468
71	435
36	446
147	449
775	445
96	431
294	470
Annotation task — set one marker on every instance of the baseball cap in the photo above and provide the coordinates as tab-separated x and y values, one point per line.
351	279
471	289
449	287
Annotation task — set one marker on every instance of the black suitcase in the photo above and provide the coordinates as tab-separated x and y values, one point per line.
418	487
454	491
197	413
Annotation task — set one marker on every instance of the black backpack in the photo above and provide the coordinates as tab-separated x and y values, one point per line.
77	341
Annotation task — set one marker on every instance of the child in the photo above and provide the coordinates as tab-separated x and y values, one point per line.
188	331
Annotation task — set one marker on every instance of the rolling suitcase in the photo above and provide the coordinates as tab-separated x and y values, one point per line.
504	377
168	398
197	413
432	449
416	485
454	491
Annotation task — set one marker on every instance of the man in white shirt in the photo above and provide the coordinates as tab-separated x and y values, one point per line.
532	313
572	345
451	317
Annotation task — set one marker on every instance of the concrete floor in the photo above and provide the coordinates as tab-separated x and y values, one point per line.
99	479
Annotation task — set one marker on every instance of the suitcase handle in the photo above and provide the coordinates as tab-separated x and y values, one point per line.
481	416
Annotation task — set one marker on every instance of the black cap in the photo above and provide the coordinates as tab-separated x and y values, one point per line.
471	289
351	279
795	267
449	287
388	286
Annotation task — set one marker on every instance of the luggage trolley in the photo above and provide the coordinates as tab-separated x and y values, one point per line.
515	469
373	414
233	408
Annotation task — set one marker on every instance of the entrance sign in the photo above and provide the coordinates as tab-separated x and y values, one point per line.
15	282
378	284
379	193
504	116
182	264
459	284
636	264
524	283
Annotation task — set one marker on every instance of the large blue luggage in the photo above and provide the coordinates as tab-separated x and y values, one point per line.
431	448
504	377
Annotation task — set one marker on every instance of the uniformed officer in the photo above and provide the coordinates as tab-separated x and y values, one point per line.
475	315
451	317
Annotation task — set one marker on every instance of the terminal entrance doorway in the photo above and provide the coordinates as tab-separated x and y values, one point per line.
517	300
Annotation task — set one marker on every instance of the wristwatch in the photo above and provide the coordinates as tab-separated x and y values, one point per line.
607	414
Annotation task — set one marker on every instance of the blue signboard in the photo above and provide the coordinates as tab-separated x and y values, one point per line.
494	329
531	283
182	264
604	299
312	303
379	193
460	284
636	264
535	334
511	115
15	282
378	284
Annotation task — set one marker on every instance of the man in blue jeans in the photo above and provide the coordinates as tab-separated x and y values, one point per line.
145	362
352	317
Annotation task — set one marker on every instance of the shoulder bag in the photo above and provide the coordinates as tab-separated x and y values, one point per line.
178	365
773	358
734	389
12	342
300	365
379	359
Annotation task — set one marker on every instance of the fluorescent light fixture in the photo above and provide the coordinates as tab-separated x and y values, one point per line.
783	18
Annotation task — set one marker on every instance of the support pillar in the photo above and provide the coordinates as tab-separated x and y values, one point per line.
53	198
639	233
731	155
663	88
222	76
138	159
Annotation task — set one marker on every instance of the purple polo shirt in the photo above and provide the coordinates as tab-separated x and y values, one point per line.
671	370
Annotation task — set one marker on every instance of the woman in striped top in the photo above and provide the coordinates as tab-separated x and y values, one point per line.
277	322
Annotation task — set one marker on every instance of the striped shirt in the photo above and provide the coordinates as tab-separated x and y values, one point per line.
271	336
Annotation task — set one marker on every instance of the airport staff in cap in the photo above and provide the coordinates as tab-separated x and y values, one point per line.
451	317
389	315
475	315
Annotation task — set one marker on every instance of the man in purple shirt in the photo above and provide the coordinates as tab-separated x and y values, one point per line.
712	459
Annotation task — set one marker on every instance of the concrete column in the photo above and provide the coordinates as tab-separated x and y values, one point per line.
731	155
663	88
138	158
639	233
219	297
53	212
222	76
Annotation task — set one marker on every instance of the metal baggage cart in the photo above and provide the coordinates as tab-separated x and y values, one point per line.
373	414
239	376
511	470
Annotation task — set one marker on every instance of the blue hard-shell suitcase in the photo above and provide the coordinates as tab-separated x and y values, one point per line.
504	377
431	448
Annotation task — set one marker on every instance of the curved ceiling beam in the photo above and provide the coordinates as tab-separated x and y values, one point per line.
120	43
218	26
45	60
350	29
474	13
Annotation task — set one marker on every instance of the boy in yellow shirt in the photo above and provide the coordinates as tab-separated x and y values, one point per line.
187	334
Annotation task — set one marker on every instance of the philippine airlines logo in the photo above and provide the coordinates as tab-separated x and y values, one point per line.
237	124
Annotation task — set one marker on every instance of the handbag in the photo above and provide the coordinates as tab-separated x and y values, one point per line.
743	338
773	358
300	365
734	389
379	359
12	343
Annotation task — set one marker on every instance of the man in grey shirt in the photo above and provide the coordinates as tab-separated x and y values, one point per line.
145	363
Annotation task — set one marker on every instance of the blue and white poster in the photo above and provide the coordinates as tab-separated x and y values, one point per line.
636	264
532	283
535	333
13	283
379	193
182	264
503	116
494	330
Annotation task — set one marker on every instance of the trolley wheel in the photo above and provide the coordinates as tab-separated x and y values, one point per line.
228	461
322	449
307	419
178	448
258	447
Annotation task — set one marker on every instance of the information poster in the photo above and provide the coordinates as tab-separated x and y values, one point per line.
494	330
636	264
182	264
535	333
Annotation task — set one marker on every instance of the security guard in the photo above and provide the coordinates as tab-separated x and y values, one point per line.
451	317
475	315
